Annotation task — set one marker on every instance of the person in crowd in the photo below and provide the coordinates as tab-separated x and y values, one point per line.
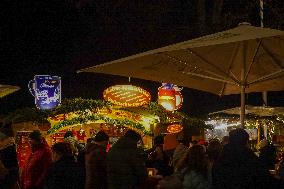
125	165
180	150
78	149
37	164
267	156
191	172
159	160
158	140
194	169
225	140
96	175
214	150
64	173
69	138
238	167
8	158
193	143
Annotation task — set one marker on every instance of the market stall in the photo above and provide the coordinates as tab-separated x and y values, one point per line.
85	117
261	123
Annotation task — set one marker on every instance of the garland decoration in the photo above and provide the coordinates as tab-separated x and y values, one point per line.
95	117
88	110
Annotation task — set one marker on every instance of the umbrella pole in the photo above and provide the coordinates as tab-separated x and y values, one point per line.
243	106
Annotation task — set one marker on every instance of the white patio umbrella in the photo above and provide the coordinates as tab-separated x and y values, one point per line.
7	89
263	111
240	60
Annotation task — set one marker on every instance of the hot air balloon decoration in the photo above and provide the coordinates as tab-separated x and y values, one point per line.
170	97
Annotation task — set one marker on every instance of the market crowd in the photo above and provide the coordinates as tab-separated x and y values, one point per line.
229	164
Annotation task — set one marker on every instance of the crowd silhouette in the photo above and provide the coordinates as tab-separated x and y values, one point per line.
226	164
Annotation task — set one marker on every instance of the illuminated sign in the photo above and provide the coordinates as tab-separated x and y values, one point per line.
170	97
127	95
175	128
47	91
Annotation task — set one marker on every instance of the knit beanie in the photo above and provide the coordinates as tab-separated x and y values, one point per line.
101	136
35	135
132	135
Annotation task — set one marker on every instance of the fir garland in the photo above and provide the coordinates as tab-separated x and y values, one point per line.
96	117
81	107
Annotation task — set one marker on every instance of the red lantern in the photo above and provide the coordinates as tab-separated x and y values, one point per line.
167	98
170	97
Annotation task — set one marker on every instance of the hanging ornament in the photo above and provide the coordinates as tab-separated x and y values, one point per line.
175	128
170	97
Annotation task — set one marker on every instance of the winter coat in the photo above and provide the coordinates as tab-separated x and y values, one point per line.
125	165
267	157
36	167
95	161
184	179
179	153
239	168
65	174
8	157
194	180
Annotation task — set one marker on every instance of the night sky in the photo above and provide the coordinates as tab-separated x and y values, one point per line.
58	37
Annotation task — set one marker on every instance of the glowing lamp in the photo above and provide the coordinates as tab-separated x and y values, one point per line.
175	128
170	97
167	98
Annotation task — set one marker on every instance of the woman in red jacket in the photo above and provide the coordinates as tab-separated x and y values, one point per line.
37	164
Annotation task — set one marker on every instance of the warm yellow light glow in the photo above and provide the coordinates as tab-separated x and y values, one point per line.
168	106
175	128
127	95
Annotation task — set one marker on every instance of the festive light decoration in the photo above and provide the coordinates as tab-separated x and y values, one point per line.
222	123
175	128
47	91
127	95
96	117
170	97
80	111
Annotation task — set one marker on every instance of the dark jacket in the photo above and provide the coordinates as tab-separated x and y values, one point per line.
8	156
125	165
95	160
65	174
267	157
239	168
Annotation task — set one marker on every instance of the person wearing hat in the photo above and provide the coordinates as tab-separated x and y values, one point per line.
38	162
8	157
95	160
125	163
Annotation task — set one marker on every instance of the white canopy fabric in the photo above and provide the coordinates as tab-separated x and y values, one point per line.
262	111
239	60
7	89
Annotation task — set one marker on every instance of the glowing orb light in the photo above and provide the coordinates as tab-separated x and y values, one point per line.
175	128
170	97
